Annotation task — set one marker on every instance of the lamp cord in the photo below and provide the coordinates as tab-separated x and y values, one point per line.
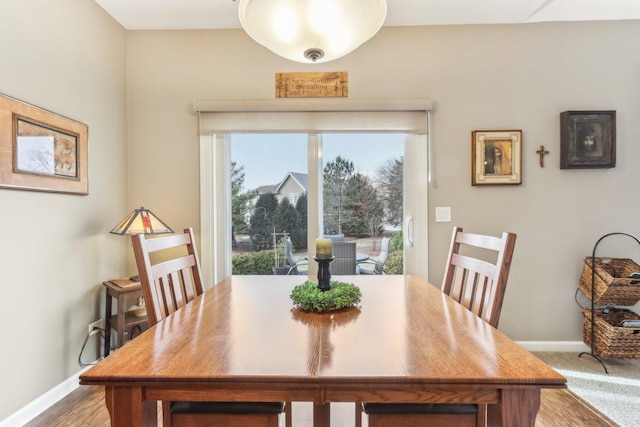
80	362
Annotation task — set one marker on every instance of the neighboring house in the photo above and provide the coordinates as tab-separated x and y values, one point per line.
292	186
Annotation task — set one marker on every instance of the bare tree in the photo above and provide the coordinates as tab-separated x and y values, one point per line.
390	185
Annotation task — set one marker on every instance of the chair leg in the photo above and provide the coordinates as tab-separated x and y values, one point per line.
359	414
166	414
481	420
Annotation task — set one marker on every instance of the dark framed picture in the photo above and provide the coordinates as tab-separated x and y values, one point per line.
41	150
587	139
496	157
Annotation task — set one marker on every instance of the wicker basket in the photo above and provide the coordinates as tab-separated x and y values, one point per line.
611	341
612	283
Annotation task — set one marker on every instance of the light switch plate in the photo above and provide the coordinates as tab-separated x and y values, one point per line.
443	214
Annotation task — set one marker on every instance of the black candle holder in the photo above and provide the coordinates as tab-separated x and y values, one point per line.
324	274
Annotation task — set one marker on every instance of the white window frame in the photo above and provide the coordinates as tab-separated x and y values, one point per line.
218	119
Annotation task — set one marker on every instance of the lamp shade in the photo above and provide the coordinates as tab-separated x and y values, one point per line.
141	221
312	30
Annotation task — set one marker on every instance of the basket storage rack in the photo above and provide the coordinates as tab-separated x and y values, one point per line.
607	281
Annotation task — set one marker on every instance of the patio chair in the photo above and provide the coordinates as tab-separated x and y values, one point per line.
344	262
378	263
296	266
167	286
335	237
479	286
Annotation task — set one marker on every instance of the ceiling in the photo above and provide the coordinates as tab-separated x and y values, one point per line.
216	14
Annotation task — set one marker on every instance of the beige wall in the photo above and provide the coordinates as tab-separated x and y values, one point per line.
67	57
479	77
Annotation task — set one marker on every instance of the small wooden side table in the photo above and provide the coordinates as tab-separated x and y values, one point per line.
121	290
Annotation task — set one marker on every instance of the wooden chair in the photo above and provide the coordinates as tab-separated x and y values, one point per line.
168	285
478	285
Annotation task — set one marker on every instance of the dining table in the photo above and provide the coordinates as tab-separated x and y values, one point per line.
243	340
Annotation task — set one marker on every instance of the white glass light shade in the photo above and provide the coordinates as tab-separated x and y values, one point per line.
312	30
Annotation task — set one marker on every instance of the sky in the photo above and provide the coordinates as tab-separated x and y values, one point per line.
267	158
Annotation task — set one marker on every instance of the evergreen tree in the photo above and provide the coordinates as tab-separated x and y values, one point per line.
262	221
299	238
365	207
286	217
337	174
239	201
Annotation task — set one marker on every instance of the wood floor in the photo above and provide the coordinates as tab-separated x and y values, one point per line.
85	407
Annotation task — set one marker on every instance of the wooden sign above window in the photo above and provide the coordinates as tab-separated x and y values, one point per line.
332	84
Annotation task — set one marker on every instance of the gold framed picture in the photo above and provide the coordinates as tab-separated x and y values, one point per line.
496	157
41	150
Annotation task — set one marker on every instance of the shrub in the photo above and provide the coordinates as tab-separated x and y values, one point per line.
253	263
395	263
396	242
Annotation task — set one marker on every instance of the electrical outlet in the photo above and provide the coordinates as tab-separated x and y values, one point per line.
96	324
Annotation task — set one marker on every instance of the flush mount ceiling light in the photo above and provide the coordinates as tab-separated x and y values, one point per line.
312	30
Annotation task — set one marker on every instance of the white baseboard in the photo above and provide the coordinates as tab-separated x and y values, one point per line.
554	346
57	393
42	403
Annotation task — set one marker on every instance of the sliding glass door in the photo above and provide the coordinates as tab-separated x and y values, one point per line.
358	197
347	169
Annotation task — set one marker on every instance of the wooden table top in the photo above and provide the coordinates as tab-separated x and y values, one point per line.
245	329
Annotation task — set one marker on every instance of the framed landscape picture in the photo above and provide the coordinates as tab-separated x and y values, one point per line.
587	139
496	157
41	151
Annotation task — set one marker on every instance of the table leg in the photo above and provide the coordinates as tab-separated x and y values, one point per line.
120	320
322	414
127	409
517	407
107	324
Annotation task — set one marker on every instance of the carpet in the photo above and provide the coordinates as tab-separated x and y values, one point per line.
616	394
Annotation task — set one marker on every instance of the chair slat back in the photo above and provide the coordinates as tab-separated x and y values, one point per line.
477	284
172	281
345	258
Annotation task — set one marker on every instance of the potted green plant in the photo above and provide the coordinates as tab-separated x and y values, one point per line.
279	255
341	295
